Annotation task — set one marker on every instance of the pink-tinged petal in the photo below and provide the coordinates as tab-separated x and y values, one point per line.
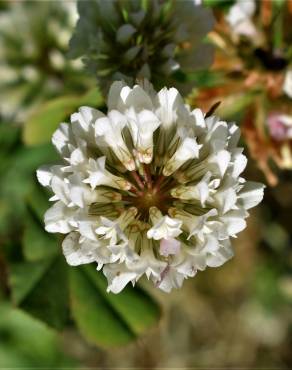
169	246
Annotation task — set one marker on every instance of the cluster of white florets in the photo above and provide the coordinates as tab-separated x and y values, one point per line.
150	188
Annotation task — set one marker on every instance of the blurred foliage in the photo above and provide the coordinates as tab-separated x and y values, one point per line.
221	4
251	77
237	317
105	318
33	46
44	121
26	342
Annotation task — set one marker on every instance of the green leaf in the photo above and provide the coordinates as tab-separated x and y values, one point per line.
94	317
38	202
19	172
205	78
26	342
220	4
41	288
137	308
18	179
24	276
41	125
106	319
92	98
43	122
9	136
37	244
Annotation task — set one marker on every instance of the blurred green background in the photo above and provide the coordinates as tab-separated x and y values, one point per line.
52	315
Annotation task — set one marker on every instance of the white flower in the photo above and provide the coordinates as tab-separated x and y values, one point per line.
78	253
287	85
152	188
98	175
118	276
188	149
110	128
280	126
169	246
142	126
164	227
240	16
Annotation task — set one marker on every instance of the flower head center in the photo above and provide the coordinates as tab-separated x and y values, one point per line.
150	192
148	199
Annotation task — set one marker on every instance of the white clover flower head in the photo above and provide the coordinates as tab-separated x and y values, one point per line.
151	188
129	39
240	17
28	60
280	126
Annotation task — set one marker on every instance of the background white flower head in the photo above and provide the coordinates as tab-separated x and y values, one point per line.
150	188
125	40
33	65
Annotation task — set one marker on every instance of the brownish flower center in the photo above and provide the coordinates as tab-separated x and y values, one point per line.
149	190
